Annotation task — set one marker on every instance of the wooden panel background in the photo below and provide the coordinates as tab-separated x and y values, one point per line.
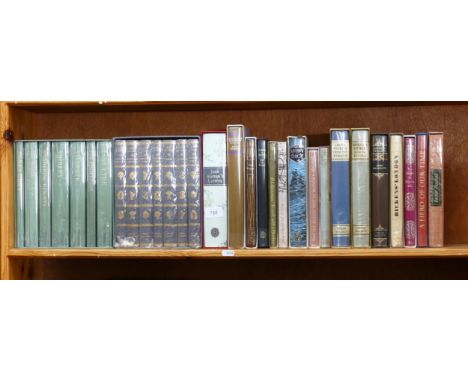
271	121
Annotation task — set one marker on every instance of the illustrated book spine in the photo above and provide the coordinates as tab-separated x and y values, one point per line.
325	207
409	189
31	201
156	185
340	185
251	191
436	190
132	238
19	194
360	187
78	194
282	200
262	192
91	194
169	194
182	180
273	192
104	194
297	191
313	197
45	200
421	173
120	210
60	194
380	191
145	202
194	193
396	191
214	190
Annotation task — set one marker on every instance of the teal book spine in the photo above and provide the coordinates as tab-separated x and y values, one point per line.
156	187
131	194
194	193
120	210
77	194
169	194
31	199
19	194
91	194
45	200
60	195
145	203
104	194
181	189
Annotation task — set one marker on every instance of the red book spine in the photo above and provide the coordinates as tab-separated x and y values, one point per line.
410	191
422	150
314	202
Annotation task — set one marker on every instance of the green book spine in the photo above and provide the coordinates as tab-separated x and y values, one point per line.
60	195
91	194
77	194
31	195
273	193
104	194
45	234
19	194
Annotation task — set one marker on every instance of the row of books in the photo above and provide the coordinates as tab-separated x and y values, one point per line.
63	193
379	190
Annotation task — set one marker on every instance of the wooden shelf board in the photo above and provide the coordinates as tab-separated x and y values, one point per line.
450	251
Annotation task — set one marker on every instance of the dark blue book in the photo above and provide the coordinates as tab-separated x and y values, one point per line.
120	211
340	185
169	196
194	193
262	192
297	191
145	200
181	189
131	194
156	187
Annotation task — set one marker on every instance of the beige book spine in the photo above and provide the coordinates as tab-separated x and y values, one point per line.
396	191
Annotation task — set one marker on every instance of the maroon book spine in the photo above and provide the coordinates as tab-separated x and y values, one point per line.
422	150
410	190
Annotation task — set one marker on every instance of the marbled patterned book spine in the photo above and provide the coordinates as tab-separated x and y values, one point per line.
273	192
313	197
104	194
340	184
194	193
214	190
410	190
169	193
182	178
120	208
91	193
360	187
77	194
31	201
145	202
157	178
251	192
325	206
132	238
262	193
297	191
421	171
45	199
396	191
60	194
283	225
19	194
436	189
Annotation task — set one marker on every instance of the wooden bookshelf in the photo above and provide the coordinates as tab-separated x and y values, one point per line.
272	120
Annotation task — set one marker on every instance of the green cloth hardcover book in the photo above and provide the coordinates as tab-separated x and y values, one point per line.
31	200
60	194
45	234
91	194
77	194
104	191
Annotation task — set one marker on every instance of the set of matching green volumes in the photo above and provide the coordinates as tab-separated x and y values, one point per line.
63	193
157	192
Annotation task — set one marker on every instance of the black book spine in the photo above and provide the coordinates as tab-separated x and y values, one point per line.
262	192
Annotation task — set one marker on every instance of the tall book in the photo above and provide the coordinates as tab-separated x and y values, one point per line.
262	192
360	187
132	237
421	174
236	184
19	194
436	189
313	197
251	192
77	194
410	190
120	208
340	187
169	193
194	193
282	200
31	188
182	180
297	191
380	191
104	193
156	186
45	199
396	191
91	193
145	202
60	194
325	207
273	192
214	189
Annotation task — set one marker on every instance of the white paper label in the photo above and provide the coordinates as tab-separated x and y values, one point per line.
227	252
214	212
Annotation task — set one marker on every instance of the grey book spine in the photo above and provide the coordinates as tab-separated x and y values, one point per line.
120	210
181	189
169	194
91	194
45	200
194	197
77	194
19	194
156	185
325	207
132	238
104	181
60	195
145	203
31	200
283	224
